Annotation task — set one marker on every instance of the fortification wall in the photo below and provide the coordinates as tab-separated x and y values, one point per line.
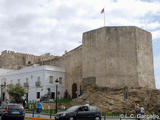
72	62
11	60
110	56
145	68
15	60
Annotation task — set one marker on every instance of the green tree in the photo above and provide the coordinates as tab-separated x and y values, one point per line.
16	92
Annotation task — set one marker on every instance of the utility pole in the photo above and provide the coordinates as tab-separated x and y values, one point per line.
27	91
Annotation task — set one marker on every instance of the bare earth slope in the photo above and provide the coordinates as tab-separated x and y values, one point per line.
112	100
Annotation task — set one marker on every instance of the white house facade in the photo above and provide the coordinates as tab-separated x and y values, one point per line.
38	81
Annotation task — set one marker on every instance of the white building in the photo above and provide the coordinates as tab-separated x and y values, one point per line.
37	80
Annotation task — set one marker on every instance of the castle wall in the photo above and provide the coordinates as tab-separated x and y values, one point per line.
145	68
72	62
11	60
110	56
14	60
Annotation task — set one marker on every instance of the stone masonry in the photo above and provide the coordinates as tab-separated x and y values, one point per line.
118	57
111	56
14	60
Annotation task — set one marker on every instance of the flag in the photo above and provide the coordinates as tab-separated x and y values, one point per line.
102	11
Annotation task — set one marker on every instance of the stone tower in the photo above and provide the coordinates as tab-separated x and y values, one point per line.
118	57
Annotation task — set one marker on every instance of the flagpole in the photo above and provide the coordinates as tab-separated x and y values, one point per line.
104	17
103	12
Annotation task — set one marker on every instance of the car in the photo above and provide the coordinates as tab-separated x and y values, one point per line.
13	111
2	107
1	110
79	112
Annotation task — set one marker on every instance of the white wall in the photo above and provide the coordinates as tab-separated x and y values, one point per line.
32	73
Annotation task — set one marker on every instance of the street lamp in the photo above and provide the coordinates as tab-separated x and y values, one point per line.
56	94
27	94
48	97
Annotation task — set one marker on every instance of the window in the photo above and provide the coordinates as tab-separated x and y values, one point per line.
26	83
91	108
11	82
38	95
14	107
53	95
60	80
26	80
29	62
38	78
49	89
83	108
19	82
38	82
51	79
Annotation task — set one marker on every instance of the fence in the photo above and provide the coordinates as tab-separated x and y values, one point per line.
48	109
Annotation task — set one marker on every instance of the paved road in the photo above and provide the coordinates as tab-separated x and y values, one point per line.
47	116
102	119
36	116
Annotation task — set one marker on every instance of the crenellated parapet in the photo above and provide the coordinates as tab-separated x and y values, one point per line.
17	60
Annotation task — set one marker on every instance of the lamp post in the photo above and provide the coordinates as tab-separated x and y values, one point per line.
48	97
27	94
56	95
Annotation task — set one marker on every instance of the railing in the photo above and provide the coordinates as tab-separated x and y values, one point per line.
18	84
38	84
10	85
46	113
26	85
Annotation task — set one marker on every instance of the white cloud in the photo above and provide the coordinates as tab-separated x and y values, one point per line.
157	62
42	26
157	70
152	25
158	82
63	22
156	34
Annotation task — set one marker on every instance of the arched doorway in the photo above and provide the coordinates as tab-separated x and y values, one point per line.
74	90
81	90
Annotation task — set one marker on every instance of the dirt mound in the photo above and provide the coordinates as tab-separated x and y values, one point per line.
112	100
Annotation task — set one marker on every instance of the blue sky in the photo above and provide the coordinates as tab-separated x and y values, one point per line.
42	26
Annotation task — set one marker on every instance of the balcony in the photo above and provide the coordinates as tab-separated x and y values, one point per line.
38	84
10	85
18	84
26	85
